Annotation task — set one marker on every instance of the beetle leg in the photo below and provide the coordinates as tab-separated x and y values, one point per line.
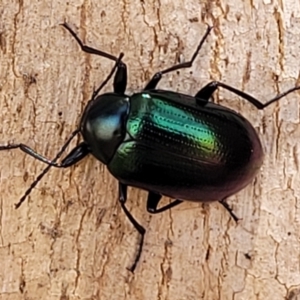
41	175
153	200
120	80
77	154
157	76
207	91
136	225
229	209
74	156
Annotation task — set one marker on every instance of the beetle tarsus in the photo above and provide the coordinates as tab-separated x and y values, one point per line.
141	230
86	48
157	76
230	210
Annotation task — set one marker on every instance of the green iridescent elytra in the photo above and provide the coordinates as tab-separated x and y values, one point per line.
175	147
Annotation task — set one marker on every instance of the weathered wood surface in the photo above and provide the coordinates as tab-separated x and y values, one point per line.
70	240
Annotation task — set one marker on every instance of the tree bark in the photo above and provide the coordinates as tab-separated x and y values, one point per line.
70	239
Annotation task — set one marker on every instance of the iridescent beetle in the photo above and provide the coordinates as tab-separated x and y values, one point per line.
166	143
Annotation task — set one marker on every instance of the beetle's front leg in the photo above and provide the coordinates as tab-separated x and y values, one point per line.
120	80
137	226
77	154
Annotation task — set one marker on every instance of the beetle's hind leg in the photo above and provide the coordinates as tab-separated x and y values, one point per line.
229	209
206	92
137	226
153	200
157	76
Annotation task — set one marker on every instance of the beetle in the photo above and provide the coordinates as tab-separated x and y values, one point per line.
167	143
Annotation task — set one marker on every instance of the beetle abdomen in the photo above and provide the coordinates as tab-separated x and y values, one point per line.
186	151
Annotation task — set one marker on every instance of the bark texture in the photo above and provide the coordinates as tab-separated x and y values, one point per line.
70	239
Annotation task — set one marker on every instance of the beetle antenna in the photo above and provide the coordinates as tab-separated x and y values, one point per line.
73	134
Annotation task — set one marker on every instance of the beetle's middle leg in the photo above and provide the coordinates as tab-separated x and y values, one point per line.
137	226
157	76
